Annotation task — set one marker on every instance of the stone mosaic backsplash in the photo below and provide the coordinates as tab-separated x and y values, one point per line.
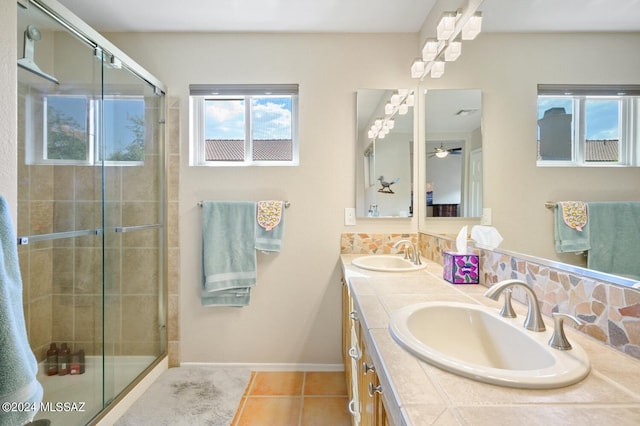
611	313
363	243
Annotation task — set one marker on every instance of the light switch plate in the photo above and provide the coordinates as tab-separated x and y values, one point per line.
486	216
350	216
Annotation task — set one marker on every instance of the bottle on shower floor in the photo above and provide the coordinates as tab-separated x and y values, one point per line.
77	362
51	365
63	360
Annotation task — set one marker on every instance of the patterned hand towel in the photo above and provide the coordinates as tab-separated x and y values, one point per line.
567	235
270	218
574	214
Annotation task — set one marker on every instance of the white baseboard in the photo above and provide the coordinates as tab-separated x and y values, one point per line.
271	367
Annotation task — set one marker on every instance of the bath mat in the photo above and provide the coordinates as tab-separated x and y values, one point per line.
190	395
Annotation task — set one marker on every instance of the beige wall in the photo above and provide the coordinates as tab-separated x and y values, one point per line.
294	316
508	67
8	105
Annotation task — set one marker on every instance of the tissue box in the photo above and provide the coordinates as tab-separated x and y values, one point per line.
461	268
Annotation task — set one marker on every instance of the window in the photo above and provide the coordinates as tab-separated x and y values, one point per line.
124	130
233	125
588	125
66	135
70	131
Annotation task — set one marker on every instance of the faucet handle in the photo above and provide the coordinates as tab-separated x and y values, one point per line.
507	309
406	248
558	339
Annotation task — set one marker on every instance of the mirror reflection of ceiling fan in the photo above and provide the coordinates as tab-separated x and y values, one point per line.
442	152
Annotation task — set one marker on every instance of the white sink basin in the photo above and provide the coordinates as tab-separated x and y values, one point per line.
476	342
386	263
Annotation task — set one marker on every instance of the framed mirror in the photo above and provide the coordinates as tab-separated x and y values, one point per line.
384	153
453	153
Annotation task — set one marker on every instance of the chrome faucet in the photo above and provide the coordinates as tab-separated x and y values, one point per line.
533	321
415	254
558	339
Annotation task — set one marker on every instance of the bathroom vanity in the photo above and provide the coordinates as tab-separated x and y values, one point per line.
408	391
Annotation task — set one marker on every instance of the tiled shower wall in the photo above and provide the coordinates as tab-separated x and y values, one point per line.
611	313
173	231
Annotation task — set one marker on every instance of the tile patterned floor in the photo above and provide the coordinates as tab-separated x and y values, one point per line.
294	399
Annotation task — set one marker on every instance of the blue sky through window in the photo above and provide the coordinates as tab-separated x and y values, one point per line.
271	118
601	115
117	123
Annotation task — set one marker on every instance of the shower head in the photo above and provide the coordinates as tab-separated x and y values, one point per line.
31	35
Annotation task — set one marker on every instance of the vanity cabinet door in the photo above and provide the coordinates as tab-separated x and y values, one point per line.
368	380
363	388
370	391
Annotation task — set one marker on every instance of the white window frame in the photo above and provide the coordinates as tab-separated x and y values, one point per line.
200	93
629	133
36	153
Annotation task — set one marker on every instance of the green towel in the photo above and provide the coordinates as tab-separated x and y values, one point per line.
228	252
569	239
18	366
615	244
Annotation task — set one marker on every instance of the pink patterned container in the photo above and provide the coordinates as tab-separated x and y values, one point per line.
461	268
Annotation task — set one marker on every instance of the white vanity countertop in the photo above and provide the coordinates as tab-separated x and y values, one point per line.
416	393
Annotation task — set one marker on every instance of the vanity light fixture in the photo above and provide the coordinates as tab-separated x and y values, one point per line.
453	51
410	100
430	50
399	103
388	108
452	28
437	69
447	25
417	68
391	123
473	27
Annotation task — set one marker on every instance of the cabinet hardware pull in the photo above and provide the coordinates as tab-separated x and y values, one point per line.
374	389
354	353
352	407
366	368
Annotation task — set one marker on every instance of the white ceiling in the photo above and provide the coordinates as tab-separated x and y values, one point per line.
348	15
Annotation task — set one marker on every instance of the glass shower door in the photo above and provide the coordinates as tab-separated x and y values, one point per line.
90	210
132	154
60	211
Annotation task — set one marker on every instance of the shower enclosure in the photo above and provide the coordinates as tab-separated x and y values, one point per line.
91	208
